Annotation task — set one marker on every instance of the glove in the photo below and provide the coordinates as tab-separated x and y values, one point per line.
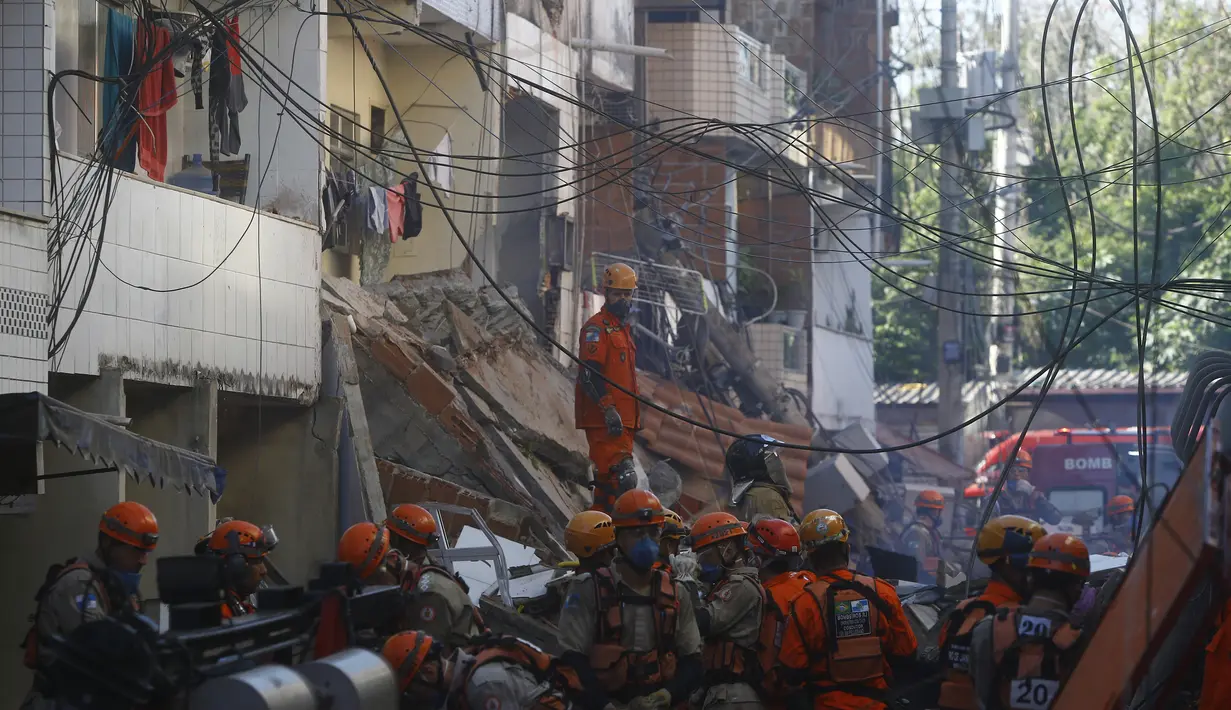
658	700
615	425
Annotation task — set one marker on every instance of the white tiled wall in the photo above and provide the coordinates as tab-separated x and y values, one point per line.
477	16
541	59
23	304
26	62
163	238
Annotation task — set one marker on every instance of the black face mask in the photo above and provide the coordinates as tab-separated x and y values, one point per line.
619	309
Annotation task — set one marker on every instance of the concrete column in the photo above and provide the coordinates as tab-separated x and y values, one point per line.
282	470
63	524
187	418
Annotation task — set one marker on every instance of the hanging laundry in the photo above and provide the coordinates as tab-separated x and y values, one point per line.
395	197
412	216
227	97
116	133
155	96
378	218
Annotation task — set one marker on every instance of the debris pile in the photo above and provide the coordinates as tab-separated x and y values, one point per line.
455	387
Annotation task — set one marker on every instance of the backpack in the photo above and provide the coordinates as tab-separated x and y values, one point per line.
55	573
543	667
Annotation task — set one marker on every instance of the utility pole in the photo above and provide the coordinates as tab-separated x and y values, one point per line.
1004	324
951	365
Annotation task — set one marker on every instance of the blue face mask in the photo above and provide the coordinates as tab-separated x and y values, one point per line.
644	554
131	581
711	573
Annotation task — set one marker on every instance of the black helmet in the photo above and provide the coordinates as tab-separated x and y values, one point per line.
748	458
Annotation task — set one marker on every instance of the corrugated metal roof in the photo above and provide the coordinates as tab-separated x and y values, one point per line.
1085	380
924	459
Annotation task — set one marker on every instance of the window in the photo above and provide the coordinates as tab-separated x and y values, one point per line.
343	126
1075	501
665	16
378	129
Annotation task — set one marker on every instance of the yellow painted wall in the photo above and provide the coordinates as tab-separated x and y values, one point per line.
426	83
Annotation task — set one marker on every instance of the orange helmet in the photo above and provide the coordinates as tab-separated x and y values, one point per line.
241	538
1120	505
364	546
620	276
1060	552
589	533
1024	459
413	523
132	524
821	527
773	537
929	500
713	528
637	508
406	652
673	525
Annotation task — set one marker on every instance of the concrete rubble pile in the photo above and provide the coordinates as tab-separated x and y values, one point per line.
461	402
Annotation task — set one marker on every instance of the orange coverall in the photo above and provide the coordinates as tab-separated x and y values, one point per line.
606	344
997	594
803	647
783	590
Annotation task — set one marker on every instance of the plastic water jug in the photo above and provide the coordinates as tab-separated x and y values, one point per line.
195	177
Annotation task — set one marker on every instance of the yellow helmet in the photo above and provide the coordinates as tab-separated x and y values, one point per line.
620	276
588	533
821	527
1009	538
673	527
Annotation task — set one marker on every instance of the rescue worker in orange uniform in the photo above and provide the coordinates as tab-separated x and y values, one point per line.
437	601
494	674
102	583
730	617
778	551
243	548
921	539
1020	657
608	415
365	547
1117	537
629	631
849	632
1003	545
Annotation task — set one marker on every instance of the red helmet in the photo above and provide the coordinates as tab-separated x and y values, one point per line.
773	537
132	524
413	523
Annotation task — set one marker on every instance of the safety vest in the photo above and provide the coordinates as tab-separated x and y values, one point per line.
1030	656
957	690
233	606
543	667
54	574
774	619
725	661
851	611
410	586
616	667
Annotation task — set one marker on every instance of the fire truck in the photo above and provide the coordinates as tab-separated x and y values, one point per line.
1080	470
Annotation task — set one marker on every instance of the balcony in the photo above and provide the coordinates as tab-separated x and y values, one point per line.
720	73
228	292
